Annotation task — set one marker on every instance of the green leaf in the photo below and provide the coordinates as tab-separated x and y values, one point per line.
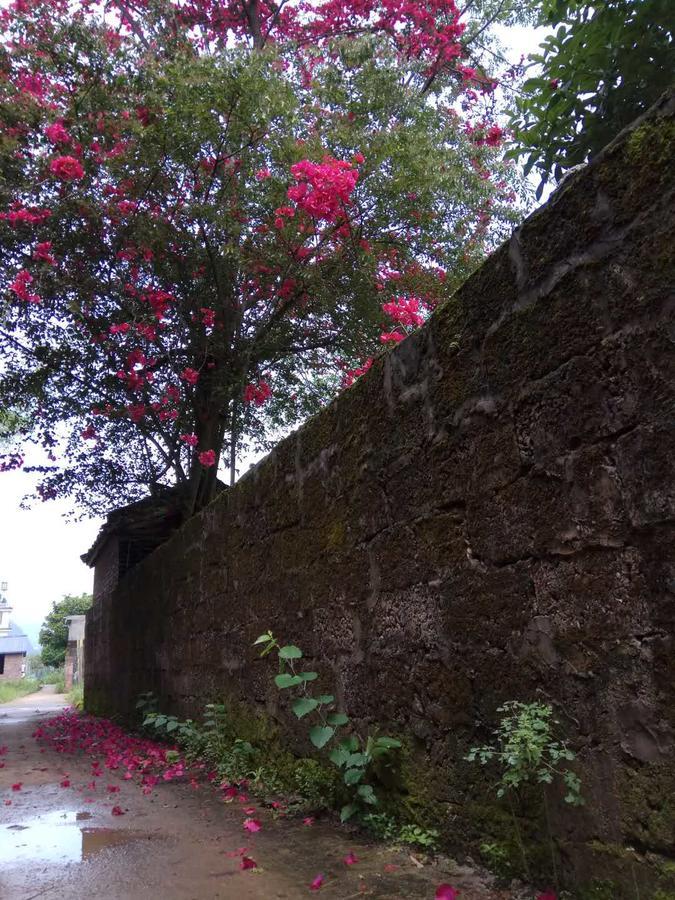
388	743
263	639
325	699
171	726
308	676
285	680
367	794
357	759
339	756
290	652
320	735
337	719
303	706
348	811
353	776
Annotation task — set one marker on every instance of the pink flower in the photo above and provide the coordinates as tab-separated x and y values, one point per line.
316	884
117	811
395	336
57	134
308	821
404	311
350	859
20	287
207	458
65	783
445	892
17	786
208	316
43	252
258	393
252	825
89	433
190	439
248	863
359	158
113	789
190	375
262	174
67	168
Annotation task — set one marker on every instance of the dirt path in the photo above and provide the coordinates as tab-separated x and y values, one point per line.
63	841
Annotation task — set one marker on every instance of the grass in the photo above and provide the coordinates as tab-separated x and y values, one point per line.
10	690
76	696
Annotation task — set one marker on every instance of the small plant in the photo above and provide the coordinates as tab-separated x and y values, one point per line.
387	828
526	752
427	838
146	703
497	859
171	728
353	756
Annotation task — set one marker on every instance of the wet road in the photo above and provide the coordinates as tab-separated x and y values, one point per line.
59	838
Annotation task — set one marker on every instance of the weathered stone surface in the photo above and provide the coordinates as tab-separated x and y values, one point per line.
488	515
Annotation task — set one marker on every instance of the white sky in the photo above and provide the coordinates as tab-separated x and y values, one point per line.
40	550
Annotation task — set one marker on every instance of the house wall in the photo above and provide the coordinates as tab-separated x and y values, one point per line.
487	515
13	663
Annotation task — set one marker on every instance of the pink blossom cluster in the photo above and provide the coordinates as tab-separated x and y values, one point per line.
66	168
404	311
20	287
350	375
19	215
324	189
258	394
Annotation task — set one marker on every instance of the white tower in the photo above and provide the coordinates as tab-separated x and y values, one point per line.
5	610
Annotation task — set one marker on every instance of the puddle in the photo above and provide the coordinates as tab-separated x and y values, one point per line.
57	837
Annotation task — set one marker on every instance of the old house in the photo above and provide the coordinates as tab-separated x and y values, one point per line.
14	645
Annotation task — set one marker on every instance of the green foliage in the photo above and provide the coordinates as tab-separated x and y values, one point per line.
353	756
57	677
499	859
603	65
525	751
170	728
76	697
387	828
11	690
54	631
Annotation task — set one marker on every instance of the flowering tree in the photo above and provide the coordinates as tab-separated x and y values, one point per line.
212	215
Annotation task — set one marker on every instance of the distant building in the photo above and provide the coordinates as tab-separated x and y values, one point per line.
74	669
14	645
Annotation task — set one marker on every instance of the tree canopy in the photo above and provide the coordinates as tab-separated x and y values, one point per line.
601	67
213	215
54	631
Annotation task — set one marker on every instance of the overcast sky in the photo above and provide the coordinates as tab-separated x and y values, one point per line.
39	550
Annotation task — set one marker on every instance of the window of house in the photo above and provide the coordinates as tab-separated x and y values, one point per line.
2	663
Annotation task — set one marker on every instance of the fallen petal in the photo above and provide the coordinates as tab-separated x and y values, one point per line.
445	892
316	884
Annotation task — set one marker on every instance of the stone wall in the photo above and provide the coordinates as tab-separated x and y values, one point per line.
488	515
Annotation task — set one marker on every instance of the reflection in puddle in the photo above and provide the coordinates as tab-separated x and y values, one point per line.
56	837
